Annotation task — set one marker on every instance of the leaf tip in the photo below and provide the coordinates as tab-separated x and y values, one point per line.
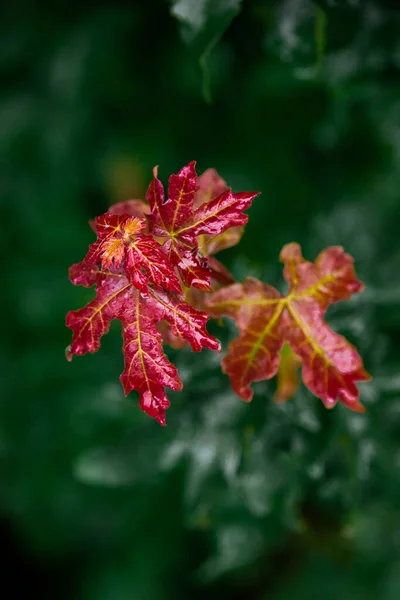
92	225
161	419
291	251
126	384
355	405
246	394
365	376
155	405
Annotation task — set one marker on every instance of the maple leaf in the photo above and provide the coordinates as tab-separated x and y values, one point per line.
195	297
180	223
133	208
144	259
210	186
135	263
147	370
266	320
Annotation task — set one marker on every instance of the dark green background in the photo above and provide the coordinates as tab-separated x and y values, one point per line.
254	501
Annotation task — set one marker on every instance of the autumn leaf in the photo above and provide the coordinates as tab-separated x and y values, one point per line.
150	274
176	219
147	370
133	208
209	186
119	239
266	320
153	265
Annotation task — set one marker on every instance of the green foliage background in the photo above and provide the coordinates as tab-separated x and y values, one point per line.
259	501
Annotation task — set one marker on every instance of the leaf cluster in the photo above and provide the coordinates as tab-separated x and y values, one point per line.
154	270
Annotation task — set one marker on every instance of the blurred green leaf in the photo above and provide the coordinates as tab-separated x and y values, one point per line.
203	23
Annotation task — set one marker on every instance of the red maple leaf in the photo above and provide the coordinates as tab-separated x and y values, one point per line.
133	208
147	370
119	240
179	222
141	255
209	186
266	320
153	266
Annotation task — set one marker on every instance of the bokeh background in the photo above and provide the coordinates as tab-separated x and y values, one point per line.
299	100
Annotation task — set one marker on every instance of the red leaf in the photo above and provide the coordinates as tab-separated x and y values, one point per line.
176	220
218	272
266	320
169	338
330	279
140	252
211	185
146	253
119	241
133	208
147	369
169	214
220	214
186	322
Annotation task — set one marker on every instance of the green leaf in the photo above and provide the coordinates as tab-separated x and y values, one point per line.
203	24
